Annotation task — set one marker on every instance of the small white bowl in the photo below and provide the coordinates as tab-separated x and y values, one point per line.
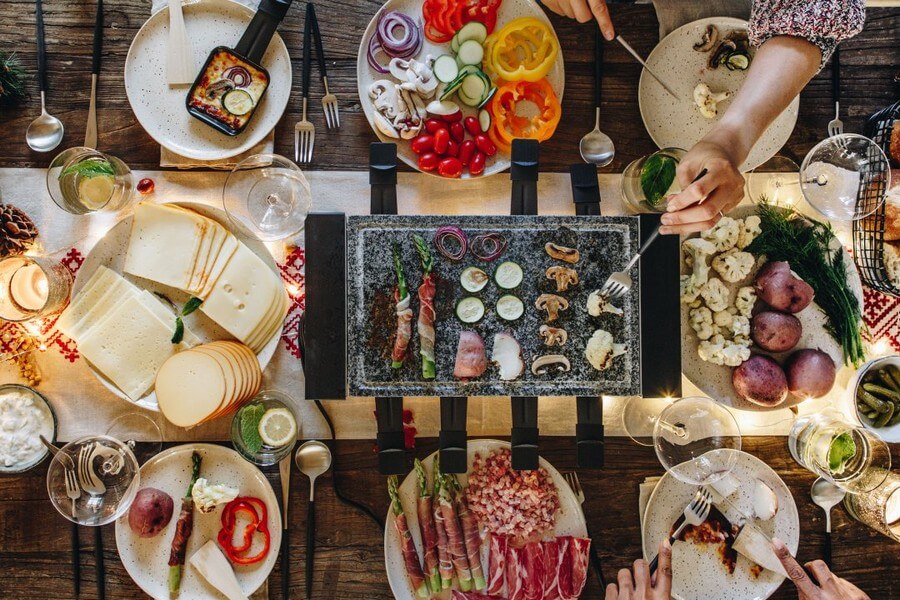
888	434
41	400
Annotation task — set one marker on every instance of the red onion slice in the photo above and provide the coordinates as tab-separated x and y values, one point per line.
409	40
374	49
447	233
488	246
239	75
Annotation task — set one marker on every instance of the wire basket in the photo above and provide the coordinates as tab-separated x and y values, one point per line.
868	233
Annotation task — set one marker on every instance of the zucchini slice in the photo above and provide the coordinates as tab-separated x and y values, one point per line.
473	279
470	309
508	275
488	96
510	308
472	90
237	102
473	30
470	53
454	43
445	68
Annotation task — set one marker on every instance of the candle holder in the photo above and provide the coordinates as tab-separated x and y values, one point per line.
32	287
878	509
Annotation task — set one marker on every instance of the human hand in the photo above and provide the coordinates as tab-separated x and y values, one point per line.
830	587
641	587
583	11
719	190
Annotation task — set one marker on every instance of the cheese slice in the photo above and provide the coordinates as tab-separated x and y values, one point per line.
190	386
167	315
229	247
201	276
260	337
216	570
753	544
116	293
95	288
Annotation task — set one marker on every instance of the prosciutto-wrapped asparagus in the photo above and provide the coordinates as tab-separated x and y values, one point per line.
471	537
425	512
183	528
425	324
445	564
455	538
404	314
410	554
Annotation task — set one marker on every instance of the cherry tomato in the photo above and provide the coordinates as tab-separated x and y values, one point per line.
452	149
432	125
485	145
457	116
457	131
466	150
450	167
476	165
422	144
472	126
429	161
441	140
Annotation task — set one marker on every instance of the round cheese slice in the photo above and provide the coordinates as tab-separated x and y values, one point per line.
245	374
190	386
233	379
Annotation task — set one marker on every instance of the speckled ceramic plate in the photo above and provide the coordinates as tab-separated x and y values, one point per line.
146	559
697	571
715	380
110	252
569	518
366	75
677	122
605	244
160	109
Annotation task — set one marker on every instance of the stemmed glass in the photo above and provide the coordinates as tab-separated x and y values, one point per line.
776	181
134	428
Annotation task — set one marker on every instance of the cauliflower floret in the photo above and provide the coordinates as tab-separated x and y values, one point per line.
207	497
597	305
690	290
707	100
697	255
749	229
601	350
724	234
733	265
744	301
716	295
724	318
702	322
740	327
719	351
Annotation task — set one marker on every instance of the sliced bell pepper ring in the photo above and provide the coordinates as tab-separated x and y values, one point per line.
524	49
508	125
255	510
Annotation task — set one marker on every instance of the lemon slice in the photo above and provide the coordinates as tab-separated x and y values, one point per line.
94	192
277	427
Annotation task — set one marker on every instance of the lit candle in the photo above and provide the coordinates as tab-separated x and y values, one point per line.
29	287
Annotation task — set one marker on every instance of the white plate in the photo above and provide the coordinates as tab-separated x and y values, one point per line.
110	252
715	380
161	110
366	75
697	571
677	123
146	560
569	517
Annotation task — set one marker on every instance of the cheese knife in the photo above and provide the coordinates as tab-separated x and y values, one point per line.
90	131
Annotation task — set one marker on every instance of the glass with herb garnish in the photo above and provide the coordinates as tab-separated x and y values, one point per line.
648	181
264	430
849	456
83	180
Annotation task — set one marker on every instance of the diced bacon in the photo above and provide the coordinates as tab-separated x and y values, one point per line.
573	568
497	564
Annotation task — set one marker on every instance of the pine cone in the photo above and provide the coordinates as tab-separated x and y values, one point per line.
17	231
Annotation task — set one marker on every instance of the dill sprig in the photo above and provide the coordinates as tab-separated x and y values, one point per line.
807	245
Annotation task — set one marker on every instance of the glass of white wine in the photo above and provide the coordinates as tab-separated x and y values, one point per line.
83	180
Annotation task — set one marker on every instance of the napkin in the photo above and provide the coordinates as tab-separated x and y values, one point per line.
645	490
672	14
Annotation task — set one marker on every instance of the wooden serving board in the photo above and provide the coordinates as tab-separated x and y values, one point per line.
605	243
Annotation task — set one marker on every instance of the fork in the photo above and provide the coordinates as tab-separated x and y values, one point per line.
73	492
86	476
571	478
304	131
329	100
836	126
694	514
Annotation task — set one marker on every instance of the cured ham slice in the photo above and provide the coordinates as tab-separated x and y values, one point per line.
425	325
445	563
455	540
525	572
554	551
425	512
573	567
407	544
471	359
404	329
550	570
458	595
497	564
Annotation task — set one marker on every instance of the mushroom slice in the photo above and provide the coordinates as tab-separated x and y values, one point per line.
708	40
553	304
569	255
563	276
725	48
553	336
384	126
542	364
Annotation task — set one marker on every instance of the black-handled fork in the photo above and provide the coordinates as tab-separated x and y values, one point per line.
329	100
304	130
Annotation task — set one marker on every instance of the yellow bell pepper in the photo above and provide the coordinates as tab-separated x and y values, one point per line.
524	50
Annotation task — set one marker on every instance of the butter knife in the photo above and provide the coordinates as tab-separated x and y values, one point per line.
638	58
90	131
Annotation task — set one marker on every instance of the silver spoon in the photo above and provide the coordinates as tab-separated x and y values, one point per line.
313	458
46	132
826	495
596	147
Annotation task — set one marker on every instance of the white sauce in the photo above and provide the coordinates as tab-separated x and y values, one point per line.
22	419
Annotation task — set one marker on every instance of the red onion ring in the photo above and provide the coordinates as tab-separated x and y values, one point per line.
375	47
488	246
239	75
448	232
408	43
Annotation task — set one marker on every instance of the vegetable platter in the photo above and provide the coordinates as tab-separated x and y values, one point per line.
169	473
567	520
454	81
428	317
762	337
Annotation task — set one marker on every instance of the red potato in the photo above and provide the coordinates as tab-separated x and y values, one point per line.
150	512
778	287
760	380
775	331
810	373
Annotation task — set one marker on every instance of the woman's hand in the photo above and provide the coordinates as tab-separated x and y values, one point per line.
583	11
719	190
830	587
641	587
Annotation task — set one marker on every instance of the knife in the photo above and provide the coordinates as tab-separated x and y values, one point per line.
90	131
637	57
284	468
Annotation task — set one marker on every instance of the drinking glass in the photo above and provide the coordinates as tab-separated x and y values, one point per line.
32	287
267	196
697	440
776	181
632	190
879	508
83	180
246	424
134	428
851	457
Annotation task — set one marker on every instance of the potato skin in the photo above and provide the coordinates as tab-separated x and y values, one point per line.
775	331
150	512
760	380
780	289
810	373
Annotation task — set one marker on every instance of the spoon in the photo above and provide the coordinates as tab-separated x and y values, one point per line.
313	458
596	147
826	495
46	132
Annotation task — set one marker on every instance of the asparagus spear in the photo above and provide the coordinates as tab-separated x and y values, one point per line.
445	564
426	309
401	294
425	512
471	537
183	528
407	545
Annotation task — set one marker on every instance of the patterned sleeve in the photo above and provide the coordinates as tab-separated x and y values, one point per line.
825	23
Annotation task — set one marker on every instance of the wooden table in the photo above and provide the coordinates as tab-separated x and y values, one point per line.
34	539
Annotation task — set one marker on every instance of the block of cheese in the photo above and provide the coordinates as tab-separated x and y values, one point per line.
753	544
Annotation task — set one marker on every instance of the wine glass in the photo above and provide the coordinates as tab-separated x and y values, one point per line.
134	428
267	196
776	181
639	416
697	440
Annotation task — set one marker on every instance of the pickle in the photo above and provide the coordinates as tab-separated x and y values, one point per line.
885	418
873	402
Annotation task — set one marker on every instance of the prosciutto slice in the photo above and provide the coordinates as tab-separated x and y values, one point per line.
525	572
497	564
425	325
573	567
471	359
455	542
404	329
554	551
445	564
425	512
410	555
458	595
472	540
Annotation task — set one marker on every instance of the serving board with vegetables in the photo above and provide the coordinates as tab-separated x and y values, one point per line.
453	82
505	309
